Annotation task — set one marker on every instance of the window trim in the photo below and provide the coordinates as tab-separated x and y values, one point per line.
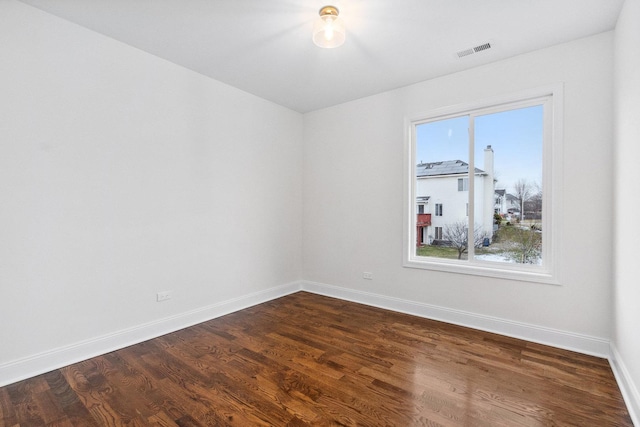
438	233
549	273
463	184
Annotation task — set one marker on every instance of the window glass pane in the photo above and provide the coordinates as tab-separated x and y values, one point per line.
442	156
508	185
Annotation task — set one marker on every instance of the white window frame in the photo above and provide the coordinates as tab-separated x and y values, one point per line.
438	233
548	273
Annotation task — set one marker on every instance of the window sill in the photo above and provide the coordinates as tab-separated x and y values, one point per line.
503	271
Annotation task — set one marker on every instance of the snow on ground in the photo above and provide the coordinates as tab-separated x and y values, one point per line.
494	258
499	258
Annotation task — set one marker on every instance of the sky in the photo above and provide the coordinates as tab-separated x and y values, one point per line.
515	137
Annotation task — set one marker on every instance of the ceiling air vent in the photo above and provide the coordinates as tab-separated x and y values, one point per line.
466	52
482	47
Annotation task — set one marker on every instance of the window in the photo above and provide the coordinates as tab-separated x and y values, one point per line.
420	209
500	157
438	233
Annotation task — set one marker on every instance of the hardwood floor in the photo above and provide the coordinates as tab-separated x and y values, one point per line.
308	360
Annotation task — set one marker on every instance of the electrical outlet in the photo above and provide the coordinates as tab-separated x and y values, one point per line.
367	275
163	296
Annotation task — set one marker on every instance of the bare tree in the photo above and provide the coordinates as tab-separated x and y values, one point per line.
522	191
457	235
533	206
525	243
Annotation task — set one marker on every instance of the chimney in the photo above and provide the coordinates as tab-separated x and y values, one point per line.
488	161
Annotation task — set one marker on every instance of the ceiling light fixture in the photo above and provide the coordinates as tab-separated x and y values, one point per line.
328	30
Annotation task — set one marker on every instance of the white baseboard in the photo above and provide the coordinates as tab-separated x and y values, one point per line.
566	340
54	359
628	388
44	362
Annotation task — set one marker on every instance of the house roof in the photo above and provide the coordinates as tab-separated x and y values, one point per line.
447	167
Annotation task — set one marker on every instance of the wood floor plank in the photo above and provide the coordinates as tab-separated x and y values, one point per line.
308	360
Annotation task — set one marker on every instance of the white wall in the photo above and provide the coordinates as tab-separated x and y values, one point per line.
353	200
626	302
121	175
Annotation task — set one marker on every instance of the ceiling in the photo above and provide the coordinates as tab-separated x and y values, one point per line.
264	47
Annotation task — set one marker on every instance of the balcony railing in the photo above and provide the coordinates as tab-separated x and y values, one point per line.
423	220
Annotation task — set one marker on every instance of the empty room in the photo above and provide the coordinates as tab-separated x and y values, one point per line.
309	213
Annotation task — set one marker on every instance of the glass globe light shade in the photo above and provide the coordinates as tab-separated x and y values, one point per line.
328	29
